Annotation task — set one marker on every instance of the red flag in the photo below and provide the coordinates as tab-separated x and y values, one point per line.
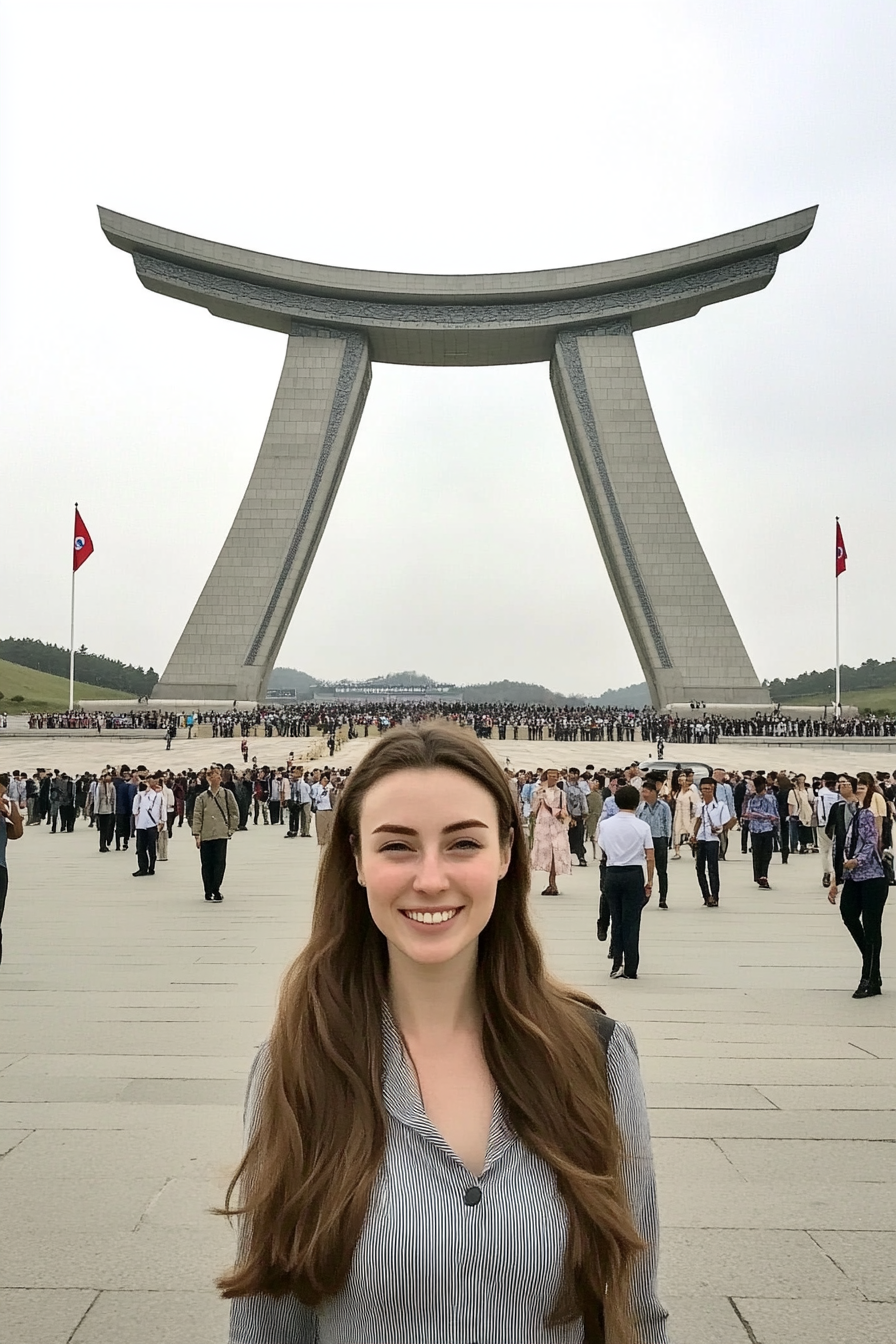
83	548
841	552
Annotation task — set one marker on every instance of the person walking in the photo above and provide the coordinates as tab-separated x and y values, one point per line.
157	782
322	805
656	812
576	800
550	844
761	814
11	828
215	818
865	891
826	798
149	819
627	844
712	822
104	809
428	1212
685	800
124	802
786	800
724	794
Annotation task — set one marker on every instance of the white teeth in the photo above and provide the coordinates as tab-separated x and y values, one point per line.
429	916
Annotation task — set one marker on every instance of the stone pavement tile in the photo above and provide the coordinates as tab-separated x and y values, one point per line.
817	1322
794	1205
74	1202
703	1320
668	1096
880	1041
867	1258
128	1066
183	1202
184	1091
779	1125
792	1074
664	1048
155	1318
154	1259
837	1160
10	1138
46	1089
40	1315
694	1160
6	1061
57	1154
216	1122
731	1263
832	1098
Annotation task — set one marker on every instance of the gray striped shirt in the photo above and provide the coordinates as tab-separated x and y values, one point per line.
433	1268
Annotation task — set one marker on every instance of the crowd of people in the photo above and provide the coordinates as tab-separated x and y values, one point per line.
563	814
541	723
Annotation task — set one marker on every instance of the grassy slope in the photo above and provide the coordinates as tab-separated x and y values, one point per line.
883	699
43	691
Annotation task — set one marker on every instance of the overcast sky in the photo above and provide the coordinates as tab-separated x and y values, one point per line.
447	138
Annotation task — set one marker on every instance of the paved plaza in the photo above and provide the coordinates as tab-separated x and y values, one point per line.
130	1012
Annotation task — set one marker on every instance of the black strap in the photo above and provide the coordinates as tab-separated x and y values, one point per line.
604	1026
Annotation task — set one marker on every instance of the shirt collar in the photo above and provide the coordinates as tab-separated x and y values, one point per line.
401	1097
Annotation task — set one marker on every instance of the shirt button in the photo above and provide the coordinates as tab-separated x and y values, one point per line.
472	1196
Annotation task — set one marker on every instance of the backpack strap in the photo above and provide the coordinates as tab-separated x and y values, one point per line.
603	1026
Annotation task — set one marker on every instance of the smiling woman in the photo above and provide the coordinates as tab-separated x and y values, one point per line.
442	1141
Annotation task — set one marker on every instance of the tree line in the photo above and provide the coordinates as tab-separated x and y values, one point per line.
91	668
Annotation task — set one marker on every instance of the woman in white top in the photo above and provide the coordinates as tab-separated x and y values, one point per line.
322	807
444	1143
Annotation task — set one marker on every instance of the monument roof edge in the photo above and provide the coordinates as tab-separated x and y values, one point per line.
133	235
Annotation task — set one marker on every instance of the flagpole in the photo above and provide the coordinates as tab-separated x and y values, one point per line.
837	638
71	662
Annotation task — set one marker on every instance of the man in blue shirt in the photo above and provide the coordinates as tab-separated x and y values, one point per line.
724	794
658	815
760	811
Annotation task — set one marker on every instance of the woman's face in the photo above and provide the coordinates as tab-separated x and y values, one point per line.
551	778
430	854
861	791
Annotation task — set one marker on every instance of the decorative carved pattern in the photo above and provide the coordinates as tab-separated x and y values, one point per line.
568	345
355	349
453	316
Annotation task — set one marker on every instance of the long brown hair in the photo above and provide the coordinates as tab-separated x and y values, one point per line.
307	1175
865	777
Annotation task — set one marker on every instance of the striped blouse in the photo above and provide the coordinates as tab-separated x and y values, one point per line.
449	1259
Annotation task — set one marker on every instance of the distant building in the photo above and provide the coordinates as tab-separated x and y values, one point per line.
360	693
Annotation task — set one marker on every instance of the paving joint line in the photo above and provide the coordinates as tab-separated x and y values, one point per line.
84	1317
748	1329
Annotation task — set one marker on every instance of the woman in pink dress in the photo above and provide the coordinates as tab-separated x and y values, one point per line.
550	845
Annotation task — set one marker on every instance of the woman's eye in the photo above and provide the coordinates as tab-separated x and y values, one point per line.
395	847
467	844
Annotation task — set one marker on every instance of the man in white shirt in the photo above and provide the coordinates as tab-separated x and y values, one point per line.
712	821
627	845
826	798
149	818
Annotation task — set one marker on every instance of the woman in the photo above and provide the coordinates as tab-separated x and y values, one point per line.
685	808
803	816
11	828
322	806
550	842
438	1148
865	890
877	802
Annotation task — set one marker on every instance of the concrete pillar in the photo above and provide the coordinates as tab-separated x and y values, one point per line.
682	630
231	641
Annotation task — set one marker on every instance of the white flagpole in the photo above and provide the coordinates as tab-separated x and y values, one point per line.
837	636
71	663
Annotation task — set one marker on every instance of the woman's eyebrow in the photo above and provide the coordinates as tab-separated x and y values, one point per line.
446	830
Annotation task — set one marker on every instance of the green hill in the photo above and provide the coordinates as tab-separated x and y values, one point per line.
881	700
43	693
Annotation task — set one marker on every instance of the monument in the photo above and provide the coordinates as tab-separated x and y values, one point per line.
580	320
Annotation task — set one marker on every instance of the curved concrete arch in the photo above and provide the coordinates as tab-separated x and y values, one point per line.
579	319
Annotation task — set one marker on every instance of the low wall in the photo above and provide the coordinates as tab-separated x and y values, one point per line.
829	743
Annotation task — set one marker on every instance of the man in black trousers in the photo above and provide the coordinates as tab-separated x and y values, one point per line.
627	844
215	818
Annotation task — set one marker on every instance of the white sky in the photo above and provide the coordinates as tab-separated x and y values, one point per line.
453	138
